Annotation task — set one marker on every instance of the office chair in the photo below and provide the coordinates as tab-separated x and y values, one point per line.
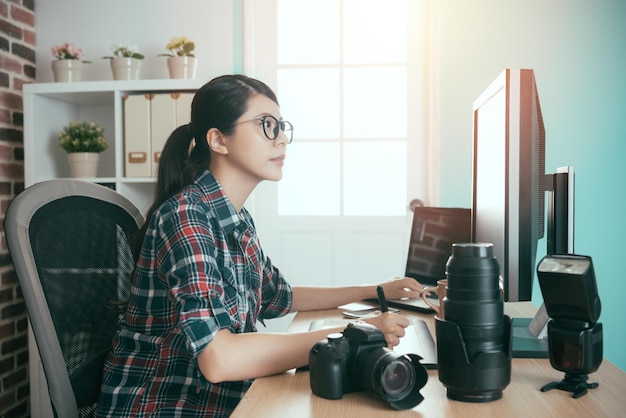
71	246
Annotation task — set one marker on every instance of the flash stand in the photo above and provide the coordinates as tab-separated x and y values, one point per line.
571	383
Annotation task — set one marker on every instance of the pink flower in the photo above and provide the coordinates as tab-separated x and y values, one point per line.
67	51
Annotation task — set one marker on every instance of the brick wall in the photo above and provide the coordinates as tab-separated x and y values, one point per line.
17	66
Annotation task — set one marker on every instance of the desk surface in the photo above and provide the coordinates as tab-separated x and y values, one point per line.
289	395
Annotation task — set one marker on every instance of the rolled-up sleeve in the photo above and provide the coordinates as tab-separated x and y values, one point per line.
188	264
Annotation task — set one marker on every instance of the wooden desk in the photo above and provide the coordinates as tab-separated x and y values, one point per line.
289	395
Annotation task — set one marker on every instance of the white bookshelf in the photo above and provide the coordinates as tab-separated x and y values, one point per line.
47	108
50	106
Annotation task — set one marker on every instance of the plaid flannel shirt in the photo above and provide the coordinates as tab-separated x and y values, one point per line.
200	270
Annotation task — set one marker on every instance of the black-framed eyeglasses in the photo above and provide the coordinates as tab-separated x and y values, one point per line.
272	127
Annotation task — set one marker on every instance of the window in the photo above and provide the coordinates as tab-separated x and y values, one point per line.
342	72
351	75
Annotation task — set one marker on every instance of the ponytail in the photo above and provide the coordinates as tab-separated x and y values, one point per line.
176	167
176	170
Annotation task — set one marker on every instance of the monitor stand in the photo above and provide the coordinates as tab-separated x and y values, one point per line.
530	339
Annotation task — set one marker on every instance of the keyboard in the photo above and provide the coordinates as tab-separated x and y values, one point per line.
418	339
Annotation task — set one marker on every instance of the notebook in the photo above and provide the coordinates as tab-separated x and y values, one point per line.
433	232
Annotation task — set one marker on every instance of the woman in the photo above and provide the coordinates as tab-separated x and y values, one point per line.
187	345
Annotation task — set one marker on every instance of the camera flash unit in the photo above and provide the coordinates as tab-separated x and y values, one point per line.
570	294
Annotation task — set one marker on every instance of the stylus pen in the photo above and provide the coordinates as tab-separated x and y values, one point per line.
381	299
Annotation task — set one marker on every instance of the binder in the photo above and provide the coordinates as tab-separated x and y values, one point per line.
137	136
183	107
163	122
149	119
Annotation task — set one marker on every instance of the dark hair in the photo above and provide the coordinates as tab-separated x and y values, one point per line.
217	104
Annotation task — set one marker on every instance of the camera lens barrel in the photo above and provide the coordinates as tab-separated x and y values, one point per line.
474	339
394	377
473	299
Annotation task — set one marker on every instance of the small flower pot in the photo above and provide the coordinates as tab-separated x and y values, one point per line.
83	164
67	70
126	68
182	67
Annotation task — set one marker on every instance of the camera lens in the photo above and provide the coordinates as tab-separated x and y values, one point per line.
474	339
473	299
394	377
397	377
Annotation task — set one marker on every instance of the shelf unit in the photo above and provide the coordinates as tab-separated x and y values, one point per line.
47	108
50	106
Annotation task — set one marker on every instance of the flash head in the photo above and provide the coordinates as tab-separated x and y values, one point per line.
568	286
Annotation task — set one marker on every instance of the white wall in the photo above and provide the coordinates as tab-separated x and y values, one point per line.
95	25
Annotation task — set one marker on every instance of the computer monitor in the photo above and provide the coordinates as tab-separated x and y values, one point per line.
509	190
508	177
560	217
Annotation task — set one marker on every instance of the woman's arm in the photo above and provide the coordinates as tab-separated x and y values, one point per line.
315	298
251	355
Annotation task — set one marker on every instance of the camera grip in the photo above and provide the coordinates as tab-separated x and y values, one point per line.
327	367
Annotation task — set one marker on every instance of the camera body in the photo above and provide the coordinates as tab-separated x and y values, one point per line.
574	348
358	360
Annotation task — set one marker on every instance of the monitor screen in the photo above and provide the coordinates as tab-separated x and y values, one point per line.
508	177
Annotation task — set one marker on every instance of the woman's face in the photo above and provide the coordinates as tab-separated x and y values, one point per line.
250	152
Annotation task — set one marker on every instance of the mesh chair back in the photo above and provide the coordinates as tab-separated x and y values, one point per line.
71	245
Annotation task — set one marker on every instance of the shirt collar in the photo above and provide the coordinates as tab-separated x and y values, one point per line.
217	199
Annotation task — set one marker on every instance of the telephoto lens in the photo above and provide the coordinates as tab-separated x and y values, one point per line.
474	340
474	302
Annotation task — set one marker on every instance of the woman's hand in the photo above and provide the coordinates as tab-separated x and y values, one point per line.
392	326
402	287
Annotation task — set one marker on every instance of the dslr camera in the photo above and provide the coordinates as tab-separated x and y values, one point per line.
358	359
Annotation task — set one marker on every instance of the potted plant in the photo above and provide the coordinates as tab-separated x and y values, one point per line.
181	61
68	65
83	141
125	62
